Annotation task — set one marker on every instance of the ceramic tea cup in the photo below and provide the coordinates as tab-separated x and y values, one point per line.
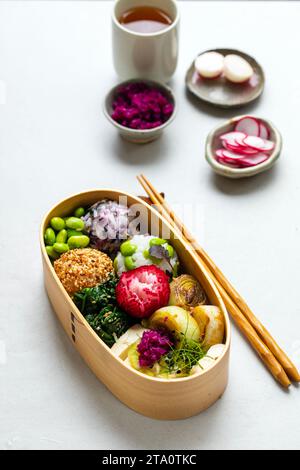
138	55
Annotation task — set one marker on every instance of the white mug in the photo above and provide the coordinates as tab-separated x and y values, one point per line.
145	55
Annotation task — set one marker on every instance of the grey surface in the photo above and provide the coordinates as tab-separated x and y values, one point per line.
55	67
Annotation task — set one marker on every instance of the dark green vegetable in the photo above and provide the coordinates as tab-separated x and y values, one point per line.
109	324
93	299
98	305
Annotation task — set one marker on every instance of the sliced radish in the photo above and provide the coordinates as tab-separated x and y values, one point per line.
237	69
233	135
258	143
240	159
230	138
234	148
223	161
209	64
239	150
264	132
232	155
254	160
219	153
249	126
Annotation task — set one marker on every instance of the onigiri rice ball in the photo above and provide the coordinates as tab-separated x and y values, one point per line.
146	250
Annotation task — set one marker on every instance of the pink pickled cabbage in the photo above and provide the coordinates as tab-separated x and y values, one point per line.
153	345
140	106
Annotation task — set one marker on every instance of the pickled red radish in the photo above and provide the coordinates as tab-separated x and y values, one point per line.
209	64
237	69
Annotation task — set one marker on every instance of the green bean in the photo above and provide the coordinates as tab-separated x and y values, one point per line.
61	247
49	236
57	223
62	236
81	241
75	223
51	252
79	212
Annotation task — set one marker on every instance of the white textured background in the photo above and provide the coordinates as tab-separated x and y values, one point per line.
55	67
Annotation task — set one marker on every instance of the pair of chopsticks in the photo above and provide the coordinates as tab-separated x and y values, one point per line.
275	359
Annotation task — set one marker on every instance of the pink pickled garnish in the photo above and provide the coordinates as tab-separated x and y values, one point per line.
153	345
140	106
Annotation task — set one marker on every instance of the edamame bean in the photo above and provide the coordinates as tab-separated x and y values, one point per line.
81	241
128	248
62	236
170	250
79	212
73	233
75	223
129	263
57	223
157	241
61	247
49	236
51	252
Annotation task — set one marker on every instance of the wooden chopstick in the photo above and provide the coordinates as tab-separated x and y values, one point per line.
280	355
254	331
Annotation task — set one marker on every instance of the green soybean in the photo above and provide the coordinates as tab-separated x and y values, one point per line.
116	264
128	248
157	241
73	233
170	250
51	252
57	223
79	212
75	223
61	247
80	241
62	236
49	236
146	254
129	263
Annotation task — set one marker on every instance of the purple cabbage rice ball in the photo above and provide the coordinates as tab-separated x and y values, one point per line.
141	106
107	224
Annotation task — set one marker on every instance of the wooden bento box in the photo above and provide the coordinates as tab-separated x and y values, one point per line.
154	397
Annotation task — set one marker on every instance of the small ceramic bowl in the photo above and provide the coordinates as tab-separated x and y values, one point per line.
221	93
138	136
213	143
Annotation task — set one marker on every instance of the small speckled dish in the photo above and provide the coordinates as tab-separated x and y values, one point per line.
220	92
138	136
213	143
